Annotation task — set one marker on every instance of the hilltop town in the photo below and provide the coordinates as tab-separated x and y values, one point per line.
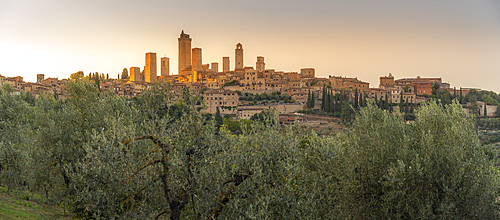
227	89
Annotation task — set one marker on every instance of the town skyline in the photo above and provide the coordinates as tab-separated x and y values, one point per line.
454	42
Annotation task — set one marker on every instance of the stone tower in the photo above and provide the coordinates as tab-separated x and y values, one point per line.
215	67
196	64
135	74
260	65
238	54
150	69
225	64
386	81
184	51
165	66
40	78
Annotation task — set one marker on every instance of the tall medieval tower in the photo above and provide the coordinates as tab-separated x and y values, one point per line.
238	53
184	51
165	66
225	64
196	61
150	68
260	65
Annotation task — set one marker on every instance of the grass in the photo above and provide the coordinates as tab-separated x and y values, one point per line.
25	205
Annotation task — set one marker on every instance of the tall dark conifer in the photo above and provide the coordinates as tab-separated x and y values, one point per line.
386	103
406	106
313	100
356	99
401	103
332	101
323	98
461	97
308	103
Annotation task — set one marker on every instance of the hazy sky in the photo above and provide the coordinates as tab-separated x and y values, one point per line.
458	40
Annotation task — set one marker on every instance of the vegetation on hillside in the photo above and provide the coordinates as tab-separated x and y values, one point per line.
104	157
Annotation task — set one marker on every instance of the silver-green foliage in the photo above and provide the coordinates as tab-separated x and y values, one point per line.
432	168
104	157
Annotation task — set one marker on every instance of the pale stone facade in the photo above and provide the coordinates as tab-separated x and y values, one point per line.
215	67
196	61
225	64
260	66
150	69
238	57
386	81
226	100
184	51
135	74
307	73
165	66
40	78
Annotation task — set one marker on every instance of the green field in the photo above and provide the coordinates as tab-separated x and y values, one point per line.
25	205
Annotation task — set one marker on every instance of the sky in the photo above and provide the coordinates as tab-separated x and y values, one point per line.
457	40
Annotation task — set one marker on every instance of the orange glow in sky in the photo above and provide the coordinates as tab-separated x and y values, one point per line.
458	40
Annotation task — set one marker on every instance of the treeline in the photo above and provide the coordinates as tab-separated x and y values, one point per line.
104	157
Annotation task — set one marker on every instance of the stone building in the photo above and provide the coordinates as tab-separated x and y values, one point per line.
215	67
226	100
165	66
307	73
260	66
225	64
40	78
196	61
184	51
238	57
150	69
386	81
135	74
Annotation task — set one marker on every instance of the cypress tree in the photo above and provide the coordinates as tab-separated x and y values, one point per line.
461	97
386	103
332	102
313	100
308	103
97	81
364	99
381	106
406	106
454	92
376	100
356	99
390	107
401	103
361	99
485	112
327	101
218	119
323	98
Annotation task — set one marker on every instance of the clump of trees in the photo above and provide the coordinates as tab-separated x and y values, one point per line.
104	157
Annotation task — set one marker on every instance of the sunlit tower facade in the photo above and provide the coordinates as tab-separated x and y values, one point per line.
197	62
150	68
184	51
165	66
260	66
238	54
225	64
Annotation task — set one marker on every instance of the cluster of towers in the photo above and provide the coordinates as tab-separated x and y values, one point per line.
190	59
190	63
150	69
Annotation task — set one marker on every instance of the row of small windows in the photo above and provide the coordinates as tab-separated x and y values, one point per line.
221	103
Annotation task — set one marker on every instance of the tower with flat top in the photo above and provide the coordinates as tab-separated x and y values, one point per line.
184	51
150	69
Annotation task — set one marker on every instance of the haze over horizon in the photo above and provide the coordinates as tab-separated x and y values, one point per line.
457	40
